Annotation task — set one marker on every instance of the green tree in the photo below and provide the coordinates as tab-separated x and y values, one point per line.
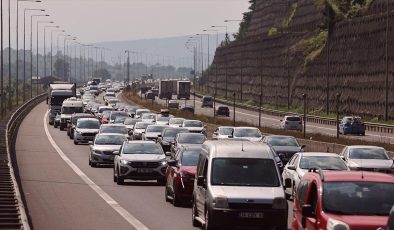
102	73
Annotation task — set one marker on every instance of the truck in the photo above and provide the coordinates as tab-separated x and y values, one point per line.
174	87
57	93
183	90
69	107
165	89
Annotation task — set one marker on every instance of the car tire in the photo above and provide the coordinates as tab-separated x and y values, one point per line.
55	125
90	162
75	142
175	199
166	195
70	136
115	177
293	192
362	134
120	179
93	164
51	123
209	223
194	215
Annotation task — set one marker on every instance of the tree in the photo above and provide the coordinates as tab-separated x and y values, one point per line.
102	73
60	72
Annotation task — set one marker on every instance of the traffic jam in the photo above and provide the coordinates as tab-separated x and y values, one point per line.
234	176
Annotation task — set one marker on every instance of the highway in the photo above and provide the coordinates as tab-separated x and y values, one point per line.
63	192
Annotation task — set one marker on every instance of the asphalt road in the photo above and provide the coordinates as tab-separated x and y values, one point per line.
63	192
252	117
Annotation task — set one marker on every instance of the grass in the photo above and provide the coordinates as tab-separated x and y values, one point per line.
214	122
272	31
287	21
313	46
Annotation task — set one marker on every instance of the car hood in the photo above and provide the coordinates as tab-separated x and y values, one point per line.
370	163
189	169
107	147
65	115
138	130
194	128
175	125
162	123
87	130
358	222
240	194
287	149
252	139
143	157
148	120
152	134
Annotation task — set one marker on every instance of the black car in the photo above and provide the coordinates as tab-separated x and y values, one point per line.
167	137
187	139
187	108
223	111
284	146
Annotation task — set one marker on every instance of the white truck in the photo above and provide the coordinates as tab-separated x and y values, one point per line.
183	89
165	89
57	93
69	107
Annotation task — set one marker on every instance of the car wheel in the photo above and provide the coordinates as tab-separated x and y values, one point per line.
194	215
51	123
70	135
90	162
208	222
120	180
175	199
55	125
115	176
75	142
362	134
93	164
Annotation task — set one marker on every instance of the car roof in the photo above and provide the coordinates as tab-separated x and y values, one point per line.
223	127
237	149
357	176
104	125
279	136
141	142
193	120
110	134
316	154
86	115
245	127
191	134
364	146
87	119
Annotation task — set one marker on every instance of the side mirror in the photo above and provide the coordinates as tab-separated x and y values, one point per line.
168	154
201	181
116	153
215	133
307	210
159	135
288	183
343	158
172	163
291	167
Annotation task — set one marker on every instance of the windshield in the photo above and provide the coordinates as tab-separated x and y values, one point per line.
368	153
282	141
88	124
113	129
140	112
110	140
71	110
191	139
118	114
247	133
105	109
141	125
293	119
244	172
113	101
173	132
192	124
140	148
323	162
176	121
120	120
358	198
58	100
75	119
131	121
162	118
190	157
226	131
155	129
148	116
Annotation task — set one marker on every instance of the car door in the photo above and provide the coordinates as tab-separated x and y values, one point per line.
312	200
299	201
200	190
287	173
173	172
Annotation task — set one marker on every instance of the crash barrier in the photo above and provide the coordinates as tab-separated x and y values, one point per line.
13	214
373	127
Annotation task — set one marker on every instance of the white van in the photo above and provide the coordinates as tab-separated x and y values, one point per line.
69	107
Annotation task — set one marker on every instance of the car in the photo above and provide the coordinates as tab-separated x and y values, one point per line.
343	200
109	94
120	120
238	185
73	122
120	106
131	110
56	122
140	160
291	122
195	126
176	122
139	129
105	117
284	146
207	101
367	158
187	108
70	106
130	122
152	132
149	117
173	104
103	148
162	120
139	112
85	130
114	128
103	108
167	137
115	114
180	175
188	139
150	95
222	110
352	125
247	133
301	162
112	102
223	132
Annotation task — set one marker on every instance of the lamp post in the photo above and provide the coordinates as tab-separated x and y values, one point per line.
208	59
234	109
67	37
24	49
304	96
31	50
128	66
38	23
225	27
337	97
1	62
53	31
45	53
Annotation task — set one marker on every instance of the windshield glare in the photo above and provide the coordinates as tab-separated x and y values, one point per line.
323	162
244	172
191	139
282	141
358	198
88	124
368	153
131	121
226	131
113	129
192	124
150	148
110	140
246	133
176	121
172	132
71	110
190	157
141	125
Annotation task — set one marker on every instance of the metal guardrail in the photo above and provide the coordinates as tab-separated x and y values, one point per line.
12	208
373	127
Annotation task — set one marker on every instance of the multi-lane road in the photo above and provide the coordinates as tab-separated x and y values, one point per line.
63	192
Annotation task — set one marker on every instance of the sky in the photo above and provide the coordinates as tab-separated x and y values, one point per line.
93	21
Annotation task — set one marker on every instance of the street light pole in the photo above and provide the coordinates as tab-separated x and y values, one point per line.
38	23
45	53
1	62
53	31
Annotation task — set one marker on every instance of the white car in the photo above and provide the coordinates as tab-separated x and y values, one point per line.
103	148
367	158
223	132
194	126
247	133
139	112
85	130
130	122
152	132
148	117
176	122
292	122
139	129
301	162
162	120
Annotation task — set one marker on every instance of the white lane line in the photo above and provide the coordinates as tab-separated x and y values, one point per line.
107	198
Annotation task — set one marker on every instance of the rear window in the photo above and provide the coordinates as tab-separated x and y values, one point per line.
293	119
368	153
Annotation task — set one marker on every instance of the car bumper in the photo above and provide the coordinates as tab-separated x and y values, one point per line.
81	138
102	158
127	172
185	189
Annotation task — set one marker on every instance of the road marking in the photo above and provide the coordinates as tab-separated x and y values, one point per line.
107	198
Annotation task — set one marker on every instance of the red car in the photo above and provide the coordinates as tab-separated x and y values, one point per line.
343	200
180	175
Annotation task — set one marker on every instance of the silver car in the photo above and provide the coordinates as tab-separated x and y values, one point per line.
293	122
301	162
176	122
103	148
114	128
140	160
148	117
139	129
223	132
85	130
247	133
367	158
152	132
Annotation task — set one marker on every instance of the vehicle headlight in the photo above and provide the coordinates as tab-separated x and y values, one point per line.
333	224
279	203
164	162
124	162
220	202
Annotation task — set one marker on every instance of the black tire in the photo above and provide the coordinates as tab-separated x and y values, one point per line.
115	177
72	135
166	195
51	123
194	215
161	181
362	134
90	162
293	192
55	125
209	223
76	142
175	199
93	164
120	179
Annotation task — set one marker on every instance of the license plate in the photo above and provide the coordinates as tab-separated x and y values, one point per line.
251	215
144	170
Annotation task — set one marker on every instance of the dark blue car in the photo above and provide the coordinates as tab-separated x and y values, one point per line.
352	125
